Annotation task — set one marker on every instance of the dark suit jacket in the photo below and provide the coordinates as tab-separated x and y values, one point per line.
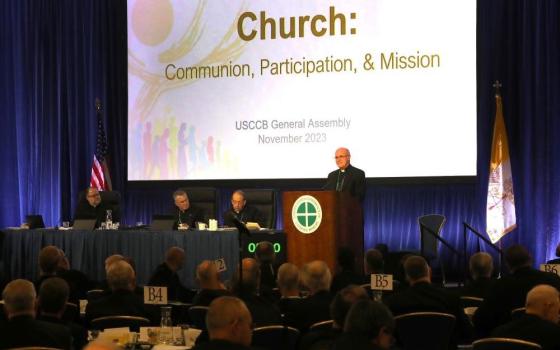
345	278
190	217
22	331
219	345
531	328
427	297
294	314
263	312
205	296
163	276
248	214
316	308
353	341
79	333
353	181
509	293
86	211
478	288
121	302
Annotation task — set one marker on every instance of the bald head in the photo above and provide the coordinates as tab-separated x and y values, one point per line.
121	276
207	275
543	301
229	319
316	276
19	298
101	345
175	258
49	257
112	259
342	158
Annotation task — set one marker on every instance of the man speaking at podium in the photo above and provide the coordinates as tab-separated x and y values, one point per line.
347	178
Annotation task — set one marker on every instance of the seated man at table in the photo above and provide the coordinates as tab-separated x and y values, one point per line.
21	329
186	215
241	211
208	279
166	275
122	301
94	208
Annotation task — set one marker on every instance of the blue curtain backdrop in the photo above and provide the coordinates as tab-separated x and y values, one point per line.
57	56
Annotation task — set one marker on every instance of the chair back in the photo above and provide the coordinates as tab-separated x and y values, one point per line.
516	313
197	316
275	337
71	313
132	322
95	294
265	202
321	326
428	243
425	330
504	344
204	198
467	301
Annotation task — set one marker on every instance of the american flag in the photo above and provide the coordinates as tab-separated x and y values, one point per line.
100	177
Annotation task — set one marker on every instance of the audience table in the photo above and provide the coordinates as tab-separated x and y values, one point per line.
87	250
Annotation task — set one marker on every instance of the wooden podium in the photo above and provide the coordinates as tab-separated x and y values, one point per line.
341	224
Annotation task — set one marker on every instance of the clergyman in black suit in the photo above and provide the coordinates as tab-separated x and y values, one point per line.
539	324
94	208
346	178
166	275
22	329
186	216
241	211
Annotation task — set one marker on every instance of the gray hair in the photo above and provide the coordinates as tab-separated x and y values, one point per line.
120	275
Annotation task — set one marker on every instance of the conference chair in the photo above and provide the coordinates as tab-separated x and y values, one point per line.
467	301
425	330
113	198
321	326
205	198
95	294
429	225
197	316
516	313
275	337
264	201
132	322
504	344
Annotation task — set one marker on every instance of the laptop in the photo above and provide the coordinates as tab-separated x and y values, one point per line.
34	221
162	223
84	224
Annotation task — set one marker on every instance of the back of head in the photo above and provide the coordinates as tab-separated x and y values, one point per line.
373	261
367	318
49	258
121	276
481	265
101	345
543	301
264	253
316	276
229	319
383	248
53	295
207	274
416	268
19	298
288	277
342	302
251	276
517	256
345	258
175	257
112	259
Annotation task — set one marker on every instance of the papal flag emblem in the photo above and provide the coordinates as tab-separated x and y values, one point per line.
500	203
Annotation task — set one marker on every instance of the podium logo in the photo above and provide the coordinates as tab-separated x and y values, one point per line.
307	214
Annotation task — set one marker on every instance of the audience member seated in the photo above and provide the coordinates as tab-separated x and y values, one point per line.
166	275
108	262
539	324
49	258
94	208
290	299
557	259
480	268
229	325
21	329
369	325
510	292
343	300
264	313
122	301
77	281
316	277
423	296
266	258
52	300
373	263
240	211
186	215
102	345
347	275
208	279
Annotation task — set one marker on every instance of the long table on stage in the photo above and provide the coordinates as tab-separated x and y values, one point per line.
87	250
